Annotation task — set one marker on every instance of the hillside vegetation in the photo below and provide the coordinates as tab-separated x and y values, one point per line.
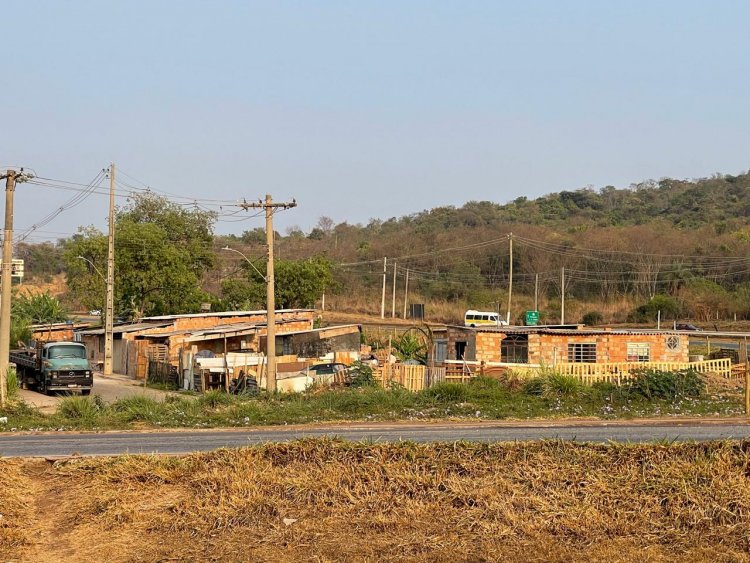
679	246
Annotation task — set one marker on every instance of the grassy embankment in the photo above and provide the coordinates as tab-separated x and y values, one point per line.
324	500
482	398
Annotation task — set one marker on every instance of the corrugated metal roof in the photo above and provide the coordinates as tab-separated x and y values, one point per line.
597	331
321	330
119	329
222	314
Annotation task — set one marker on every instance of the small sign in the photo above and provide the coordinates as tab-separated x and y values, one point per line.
531	318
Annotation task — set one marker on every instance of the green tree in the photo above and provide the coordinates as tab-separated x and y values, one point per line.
298	283
38	309
161	253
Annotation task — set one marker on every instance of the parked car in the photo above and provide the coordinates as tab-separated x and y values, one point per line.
326	369
686	326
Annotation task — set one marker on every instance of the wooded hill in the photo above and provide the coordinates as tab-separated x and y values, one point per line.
684	242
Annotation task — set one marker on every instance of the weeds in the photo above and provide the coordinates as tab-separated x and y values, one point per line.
80	408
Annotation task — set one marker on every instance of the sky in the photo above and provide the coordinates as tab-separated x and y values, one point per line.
367	109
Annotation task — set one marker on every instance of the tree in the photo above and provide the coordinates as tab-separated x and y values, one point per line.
161	253
38	309
298	283
325	224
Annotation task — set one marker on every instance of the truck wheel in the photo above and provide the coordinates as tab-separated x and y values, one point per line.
85	392
43	387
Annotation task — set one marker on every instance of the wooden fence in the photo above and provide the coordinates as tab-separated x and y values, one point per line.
413	378
615	372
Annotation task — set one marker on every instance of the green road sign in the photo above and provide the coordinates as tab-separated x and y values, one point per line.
532	318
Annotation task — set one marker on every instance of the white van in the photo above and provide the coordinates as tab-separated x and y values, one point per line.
483	318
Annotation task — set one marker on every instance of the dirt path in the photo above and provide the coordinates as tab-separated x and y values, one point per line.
49	532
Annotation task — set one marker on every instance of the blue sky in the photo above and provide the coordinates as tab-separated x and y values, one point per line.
369	109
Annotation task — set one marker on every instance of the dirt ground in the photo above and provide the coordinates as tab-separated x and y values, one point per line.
334	501
110	388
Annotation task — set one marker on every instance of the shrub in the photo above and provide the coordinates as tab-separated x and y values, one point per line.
534	386
79	408
12	383
658	384
139	407
592	318
557	384
360	375
648	312
214	398
448	392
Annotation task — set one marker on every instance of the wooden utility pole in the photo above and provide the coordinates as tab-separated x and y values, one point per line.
110	305
393	301
406	291
510	275
562	295
382	299
11	177
270	207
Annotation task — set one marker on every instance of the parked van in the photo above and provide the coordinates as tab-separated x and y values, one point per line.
483	318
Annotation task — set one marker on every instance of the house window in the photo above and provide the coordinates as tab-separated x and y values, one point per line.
514	349
639	352
582	353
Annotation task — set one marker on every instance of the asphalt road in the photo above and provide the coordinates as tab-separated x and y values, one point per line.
180	442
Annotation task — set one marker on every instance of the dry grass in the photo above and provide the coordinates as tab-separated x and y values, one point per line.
15	511
326	501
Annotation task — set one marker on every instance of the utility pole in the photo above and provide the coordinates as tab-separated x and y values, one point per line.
393	301
270	208
510	274
536	292
11	178
562	295
406	291
110	306
382	299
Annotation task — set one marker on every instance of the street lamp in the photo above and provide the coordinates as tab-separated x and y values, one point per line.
92	265
246	259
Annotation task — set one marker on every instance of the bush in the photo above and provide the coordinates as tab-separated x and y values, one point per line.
658	384
648	312
360	375
534	387
139	407
592	318
79	408
558	385
214	398
12	383
448	392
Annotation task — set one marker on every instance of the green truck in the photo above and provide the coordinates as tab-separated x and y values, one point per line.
54	366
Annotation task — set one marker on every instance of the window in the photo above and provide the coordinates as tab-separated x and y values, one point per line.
514	349
673	342
639	352
582	353
485	317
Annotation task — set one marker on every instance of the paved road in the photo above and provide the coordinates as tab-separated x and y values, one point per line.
179	442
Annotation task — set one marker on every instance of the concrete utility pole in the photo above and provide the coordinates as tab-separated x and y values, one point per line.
11	178
406	291
393	301
536	292
270	207
382	300
110	305
510	276
562	295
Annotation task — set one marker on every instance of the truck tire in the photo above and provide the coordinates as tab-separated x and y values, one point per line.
42	387
85	392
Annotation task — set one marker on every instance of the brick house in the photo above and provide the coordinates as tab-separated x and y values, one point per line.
550	345
164	336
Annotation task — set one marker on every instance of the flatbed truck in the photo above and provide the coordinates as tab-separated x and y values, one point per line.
54	366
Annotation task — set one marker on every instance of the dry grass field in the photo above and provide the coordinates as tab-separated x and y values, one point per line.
334	501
